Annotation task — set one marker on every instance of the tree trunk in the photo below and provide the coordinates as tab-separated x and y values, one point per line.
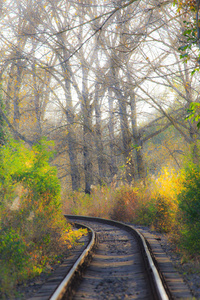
137	140
98	134
71	137
16	116
126	141
113	163
87	134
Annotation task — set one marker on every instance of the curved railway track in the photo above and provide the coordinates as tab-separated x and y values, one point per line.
121	267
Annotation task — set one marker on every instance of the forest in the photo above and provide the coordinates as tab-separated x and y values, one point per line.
99	115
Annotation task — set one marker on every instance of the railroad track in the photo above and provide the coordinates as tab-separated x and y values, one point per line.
120	267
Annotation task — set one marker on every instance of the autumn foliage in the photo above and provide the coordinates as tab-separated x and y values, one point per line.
33	231
185	4
169	203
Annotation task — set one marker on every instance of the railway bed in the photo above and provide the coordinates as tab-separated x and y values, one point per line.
117	269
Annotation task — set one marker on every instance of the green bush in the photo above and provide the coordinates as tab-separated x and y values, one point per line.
35	232
163	211
12	249
145	213
189	205
14	260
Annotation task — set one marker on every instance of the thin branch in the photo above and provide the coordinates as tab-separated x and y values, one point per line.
22	137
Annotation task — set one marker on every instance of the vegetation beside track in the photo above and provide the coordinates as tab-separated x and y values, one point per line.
168	203
33	232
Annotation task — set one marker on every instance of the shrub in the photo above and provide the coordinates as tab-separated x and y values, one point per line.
35	232
77	203
125	204
189	205
154	204
13	251
98	204
163	204
163	213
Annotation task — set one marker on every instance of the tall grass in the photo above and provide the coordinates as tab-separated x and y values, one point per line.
98	204
168	203
154	204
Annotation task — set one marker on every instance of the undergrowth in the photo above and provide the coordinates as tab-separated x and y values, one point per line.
33	231
169	203
189	211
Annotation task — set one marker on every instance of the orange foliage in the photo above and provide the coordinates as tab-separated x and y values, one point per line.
185	4
125	204
154	205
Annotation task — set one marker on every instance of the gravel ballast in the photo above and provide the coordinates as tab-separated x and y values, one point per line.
189	271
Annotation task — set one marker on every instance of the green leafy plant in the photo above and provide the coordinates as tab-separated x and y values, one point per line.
14	260
194	113
189	205
34	232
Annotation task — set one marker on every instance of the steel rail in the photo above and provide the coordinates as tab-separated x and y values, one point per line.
161	293
158	284
64	285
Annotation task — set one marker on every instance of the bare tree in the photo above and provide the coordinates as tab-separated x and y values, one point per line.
82	72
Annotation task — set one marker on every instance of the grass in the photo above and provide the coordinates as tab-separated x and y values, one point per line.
158	205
